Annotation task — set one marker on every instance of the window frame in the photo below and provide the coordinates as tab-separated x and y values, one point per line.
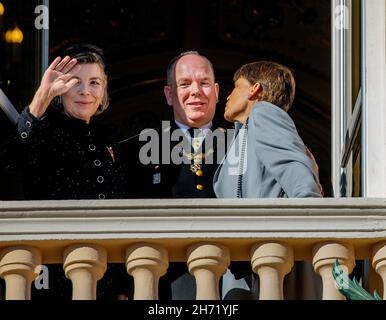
368	118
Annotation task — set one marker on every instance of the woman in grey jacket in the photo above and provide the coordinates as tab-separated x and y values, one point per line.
267	158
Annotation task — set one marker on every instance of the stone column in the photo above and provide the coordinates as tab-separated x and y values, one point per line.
271	261
324	256
146	263
207	262
17	268
84	264
379	263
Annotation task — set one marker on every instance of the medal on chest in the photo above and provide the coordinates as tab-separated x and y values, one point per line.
196	160
110	149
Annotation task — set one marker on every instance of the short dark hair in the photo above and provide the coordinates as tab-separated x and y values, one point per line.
277	81
170	71
83	51
88	53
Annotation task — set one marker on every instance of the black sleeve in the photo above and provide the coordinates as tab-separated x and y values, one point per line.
12	161
28	127
23	143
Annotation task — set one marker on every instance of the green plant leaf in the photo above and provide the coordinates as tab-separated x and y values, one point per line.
351	289
376	296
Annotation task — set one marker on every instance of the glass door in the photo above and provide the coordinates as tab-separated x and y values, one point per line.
23	56
347	98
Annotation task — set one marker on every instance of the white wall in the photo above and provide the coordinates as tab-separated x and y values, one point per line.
374	107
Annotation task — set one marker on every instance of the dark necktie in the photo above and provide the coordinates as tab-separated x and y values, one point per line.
191	132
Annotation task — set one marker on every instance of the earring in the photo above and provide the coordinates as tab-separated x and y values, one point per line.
57	102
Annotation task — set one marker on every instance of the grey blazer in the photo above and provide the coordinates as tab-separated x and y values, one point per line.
266	159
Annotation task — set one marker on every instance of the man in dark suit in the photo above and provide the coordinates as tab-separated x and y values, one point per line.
179	159
186	149
192	92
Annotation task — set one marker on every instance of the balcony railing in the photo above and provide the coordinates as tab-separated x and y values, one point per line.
206	233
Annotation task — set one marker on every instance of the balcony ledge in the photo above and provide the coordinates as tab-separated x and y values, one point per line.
245	220
113	219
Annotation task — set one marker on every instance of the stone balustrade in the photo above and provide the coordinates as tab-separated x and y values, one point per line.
207	262
271	261
84	264
147	236
17	268
146	263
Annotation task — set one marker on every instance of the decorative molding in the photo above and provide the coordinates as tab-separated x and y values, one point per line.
359	219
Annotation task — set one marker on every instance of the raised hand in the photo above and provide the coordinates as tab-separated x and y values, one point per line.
57	79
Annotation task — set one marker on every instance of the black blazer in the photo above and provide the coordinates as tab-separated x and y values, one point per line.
66	158
160	180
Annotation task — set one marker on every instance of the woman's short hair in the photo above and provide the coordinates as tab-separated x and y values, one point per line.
87	53
277	82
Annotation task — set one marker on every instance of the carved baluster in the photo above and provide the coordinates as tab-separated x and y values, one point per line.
379	263
324	257
207	262
271	261
84	264
17	268
146	263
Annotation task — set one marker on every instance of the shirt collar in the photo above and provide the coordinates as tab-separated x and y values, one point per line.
203	130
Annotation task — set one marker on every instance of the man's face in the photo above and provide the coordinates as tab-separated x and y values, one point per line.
237	107
194	93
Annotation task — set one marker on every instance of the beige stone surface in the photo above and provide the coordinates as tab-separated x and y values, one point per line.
17	268
84	264
325	254
146	262
207	262
379	263
271	261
